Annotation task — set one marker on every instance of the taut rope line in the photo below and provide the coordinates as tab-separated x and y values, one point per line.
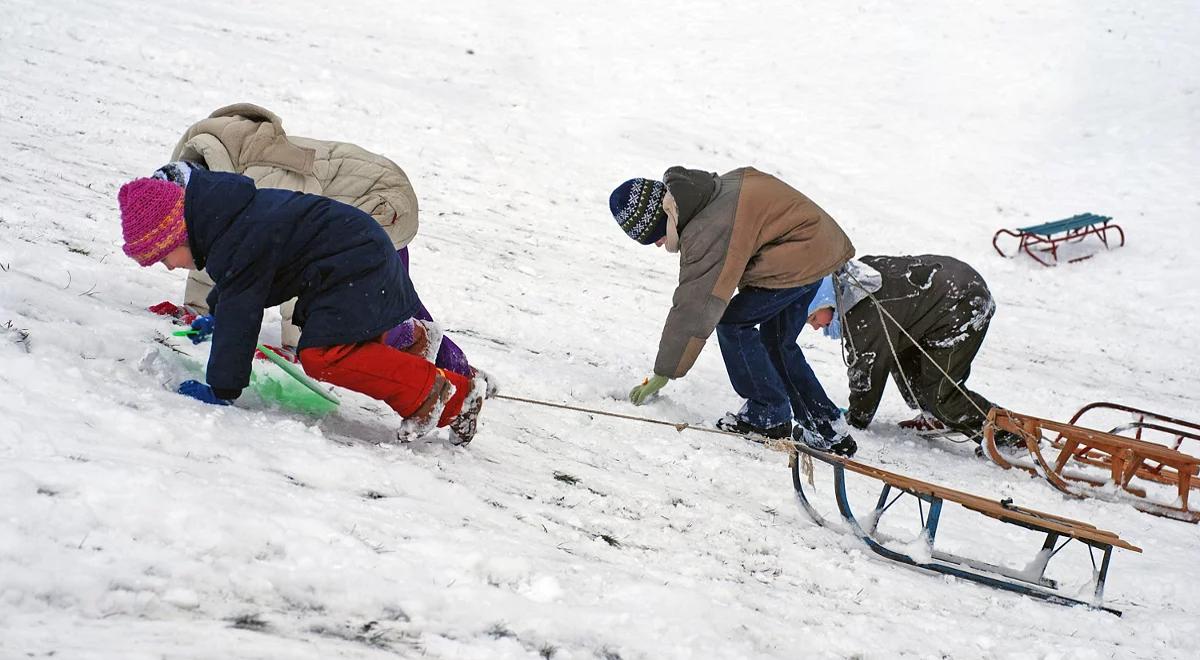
779	445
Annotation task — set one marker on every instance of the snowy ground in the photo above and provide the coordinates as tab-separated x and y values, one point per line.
137	524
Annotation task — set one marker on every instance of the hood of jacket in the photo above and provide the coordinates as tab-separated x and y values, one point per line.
210	205
856	281
692	190
248	139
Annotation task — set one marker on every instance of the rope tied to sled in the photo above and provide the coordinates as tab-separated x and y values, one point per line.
780	444
785	445
680	427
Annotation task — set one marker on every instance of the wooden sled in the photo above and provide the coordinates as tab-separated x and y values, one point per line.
1031	580
1124	458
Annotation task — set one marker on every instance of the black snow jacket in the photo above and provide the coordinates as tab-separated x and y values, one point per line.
264	247
938	300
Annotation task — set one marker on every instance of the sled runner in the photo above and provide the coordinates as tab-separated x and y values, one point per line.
1124	458
1046	237
1031	580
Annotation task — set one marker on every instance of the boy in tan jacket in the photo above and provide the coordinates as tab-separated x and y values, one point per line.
749	232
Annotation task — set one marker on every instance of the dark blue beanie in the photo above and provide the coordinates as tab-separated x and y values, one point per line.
637	206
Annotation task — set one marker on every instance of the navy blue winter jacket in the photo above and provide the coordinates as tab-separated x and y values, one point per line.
264	247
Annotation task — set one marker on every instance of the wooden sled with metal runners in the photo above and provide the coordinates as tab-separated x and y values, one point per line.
1030	581
1125	459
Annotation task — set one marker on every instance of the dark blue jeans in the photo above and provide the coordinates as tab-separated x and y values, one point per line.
758	334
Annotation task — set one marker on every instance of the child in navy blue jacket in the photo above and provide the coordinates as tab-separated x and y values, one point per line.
263	247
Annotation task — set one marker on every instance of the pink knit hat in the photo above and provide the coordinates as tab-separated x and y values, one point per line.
151	219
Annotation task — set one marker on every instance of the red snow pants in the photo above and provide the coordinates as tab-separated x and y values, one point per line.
399	379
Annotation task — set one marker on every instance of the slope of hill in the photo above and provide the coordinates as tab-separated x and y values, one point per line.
135	523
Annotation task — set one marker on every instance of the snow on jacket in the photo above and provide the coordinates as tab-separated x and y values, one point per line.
741	229
250	140
263	247
938	300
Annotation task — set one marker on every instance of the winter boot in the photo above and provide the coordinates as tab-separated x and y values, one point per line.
734	424
462	427
493	386
839	443
922	423
419	337
426	417
433	339
1007	443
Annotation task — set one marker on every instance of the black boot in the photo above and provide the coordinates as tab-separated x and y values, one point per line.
844	446
734	424
1006	443
840	445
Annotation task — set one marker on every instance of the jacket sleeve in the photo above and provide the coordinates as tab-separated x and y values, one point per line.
392	203
710	268
868	361
237	304
694	314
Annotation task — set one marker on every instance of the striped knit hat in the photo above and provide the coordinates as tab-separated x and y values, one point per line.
637	206
151	219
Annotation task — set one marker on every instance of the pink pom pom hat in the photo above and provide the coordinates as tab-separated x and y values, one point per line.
151	219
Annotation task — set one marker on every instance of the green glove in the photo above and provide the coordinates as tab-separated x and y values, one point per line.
641	393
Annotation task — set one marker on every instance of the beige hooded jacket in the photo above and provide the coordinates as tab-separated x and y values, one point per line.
250	140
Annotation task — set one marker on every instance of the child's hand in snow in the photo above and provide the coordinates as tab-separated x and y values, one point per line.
642	393
201	392
203	326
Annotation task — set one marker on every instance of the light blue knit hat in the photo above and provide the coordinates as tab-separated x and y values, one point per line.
825	297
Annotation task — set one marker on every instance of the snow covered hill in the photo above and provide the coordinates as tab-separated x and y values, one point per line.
135	523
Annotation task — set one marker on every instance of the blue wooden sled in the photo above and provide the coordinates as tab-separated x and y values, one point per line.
1031	581
1046	237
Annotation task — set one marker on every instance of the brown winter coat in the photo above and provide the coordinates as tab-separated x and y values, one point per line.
751	230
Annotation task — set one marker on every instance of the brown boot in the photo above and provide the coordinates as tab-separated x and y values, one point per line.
923	422
426	417
462	427
420	341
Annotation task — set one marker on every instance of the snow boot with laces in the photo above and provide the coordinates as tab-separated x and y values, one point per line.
840	444
463	427
734	424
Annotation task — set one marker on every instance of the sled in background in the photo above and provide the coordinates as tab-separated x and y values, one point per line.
1123	458
1030	580
1046	237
